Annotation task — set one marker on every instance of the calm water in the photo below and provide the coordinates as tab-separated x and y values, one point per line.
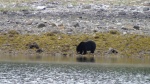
72	73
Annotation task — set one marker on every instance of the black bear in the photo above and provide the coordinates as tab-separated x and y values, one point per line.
83	47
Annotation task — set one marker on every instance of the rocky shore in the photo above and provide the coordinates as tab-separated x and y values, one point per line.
69	18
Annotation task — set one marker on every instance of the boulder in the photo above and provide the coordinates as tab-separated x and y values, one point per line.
41	7
39	51
41	25
146	3
112	51
136	27
146	9
122	13
76	25
33	45
69	5
86	6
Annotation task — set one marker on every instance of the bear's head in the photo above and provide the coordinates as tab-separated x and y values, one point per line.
80	47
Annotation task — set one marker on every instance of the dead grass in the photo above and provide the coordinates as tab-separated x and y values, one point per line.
127	45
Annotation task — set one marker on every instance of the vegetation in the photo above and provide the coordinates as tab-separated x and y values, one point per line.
127	45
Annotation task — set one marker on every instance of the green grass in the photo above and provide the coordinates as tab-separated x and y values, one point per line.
127	45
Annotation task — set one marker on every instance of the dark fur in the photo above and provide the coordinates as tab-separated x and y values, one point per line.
83	47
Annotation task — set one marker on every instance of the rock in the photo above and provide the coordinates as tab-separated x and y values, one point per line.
146	9
124	33
39	51
53	24
33	45
122	13
41	7
64	55
29	22
69	31
76	25
95	30
13	32
5	12
55	32
124	28
69	5
146	3
25	11
41	25
136	27
112	51
86	6
138	14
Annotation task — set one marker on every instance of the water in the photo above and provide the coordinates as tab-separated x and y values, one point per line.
72	73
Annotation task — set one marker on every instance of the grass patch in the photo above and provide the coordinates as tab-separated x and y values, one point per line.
127	45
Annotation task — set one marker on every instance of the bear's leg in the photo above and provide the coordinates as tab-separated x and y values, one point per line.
92	51
81	51
85	52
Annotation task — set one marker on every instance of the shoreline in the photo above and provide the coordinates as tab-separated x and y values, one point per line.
57	27
72	61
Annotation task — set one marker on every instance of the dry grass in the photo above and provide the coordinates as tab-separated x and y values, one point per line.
127	45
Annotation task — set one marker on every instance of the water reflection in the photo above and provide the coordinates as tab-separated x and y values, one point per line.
85	59
96	59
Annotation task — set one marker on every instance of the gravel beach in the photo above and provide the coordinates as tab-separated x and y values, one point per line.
70	18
